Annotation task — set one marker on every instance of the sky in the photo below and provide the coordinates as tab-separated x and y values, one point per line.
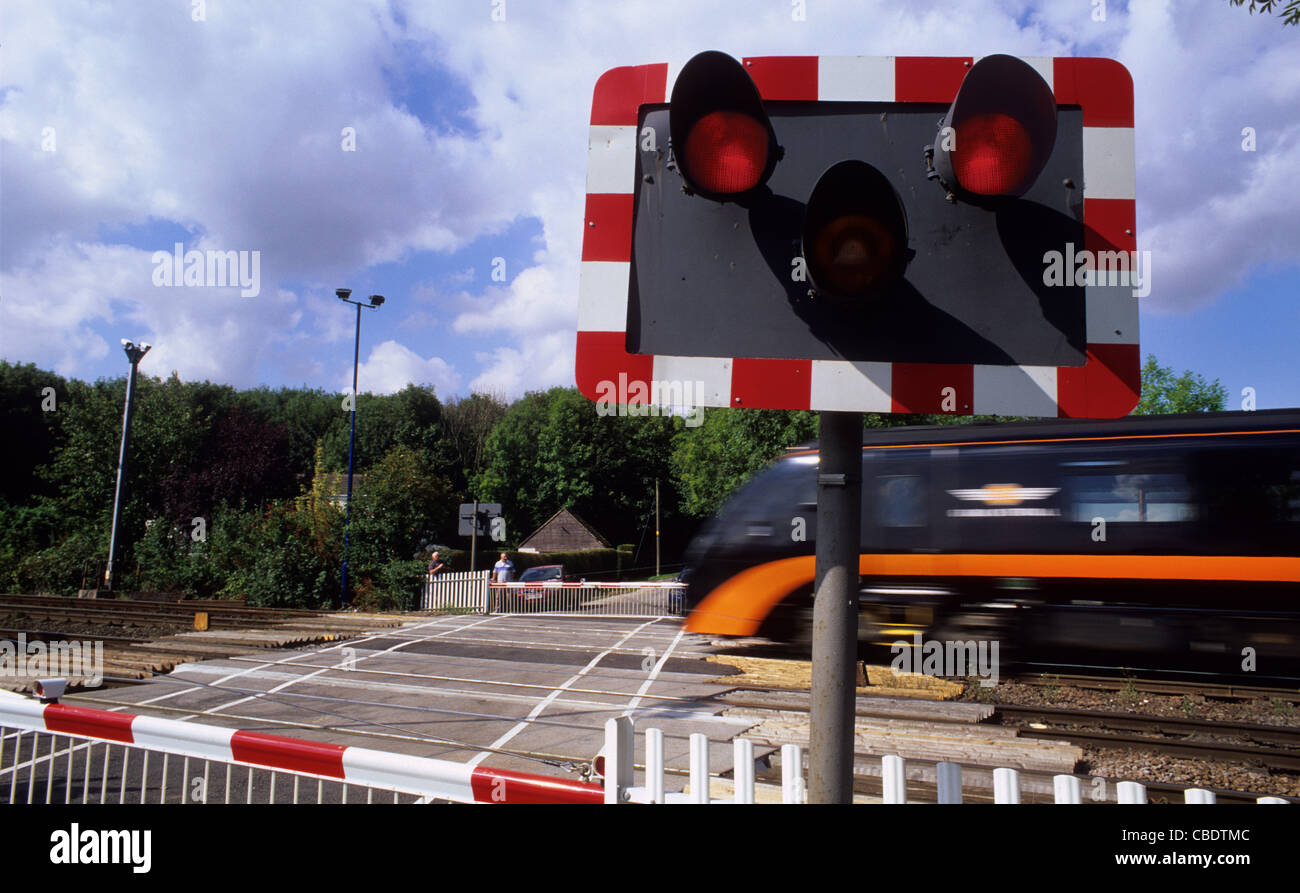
435	153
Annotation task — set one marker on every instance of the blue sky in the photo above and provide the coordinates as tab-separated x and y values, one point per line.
127	127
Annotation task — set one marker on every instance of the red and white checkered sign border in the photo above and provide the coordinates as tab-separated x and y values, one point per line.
1107	386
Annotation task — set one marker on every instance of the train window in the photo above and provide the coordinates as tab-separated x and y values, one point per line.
1153	498
900	500
1256	487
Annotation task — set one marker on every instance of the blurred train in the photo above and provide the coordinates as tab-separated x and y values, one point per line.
1155	540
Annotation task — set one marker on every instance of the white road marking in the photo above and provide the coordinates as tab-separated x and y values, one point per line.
645	686
519	727
284	660
212	710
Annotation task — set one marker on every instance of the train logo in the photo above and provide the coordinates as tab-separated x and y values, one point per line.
1004	495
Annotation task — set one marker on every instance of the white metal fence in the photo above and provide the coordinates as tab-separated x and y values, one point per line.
472	591
620	777
39	767
462	590
602	599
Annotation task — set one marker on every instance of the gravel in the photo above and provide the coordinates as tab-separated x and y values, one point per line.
1146	766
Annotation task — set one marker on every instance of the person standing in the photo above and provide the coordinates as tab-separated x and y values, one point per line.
435	565
503	570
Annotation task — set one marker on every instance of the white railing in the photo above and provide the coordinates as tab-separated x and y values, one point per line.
472	591
596	599
620	776
461	590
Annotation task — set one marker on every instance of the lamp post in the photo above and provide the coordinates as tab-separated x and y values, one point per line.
345	295
134	353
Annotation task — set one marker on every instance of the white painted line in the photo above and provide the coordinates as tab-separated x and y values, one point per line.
211	711
353	678
520	726
645	686
283	660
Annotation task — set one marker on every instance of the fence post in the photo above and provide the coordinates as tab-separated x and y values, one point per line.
743	769
1006	786
792	784
654	764
699	768
1130	792
1067	789
893	782
948	777
618	758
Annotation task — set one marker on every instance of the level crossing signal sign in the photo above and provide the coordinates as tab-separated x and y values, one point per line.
896	234
476	517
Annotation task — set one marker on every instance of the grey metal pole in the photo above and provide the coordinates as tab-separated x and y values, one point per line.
352	439
835	608
473	539
656	527
134	354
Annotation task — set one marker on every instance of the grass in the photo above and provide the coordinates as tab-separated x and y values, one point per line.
1053	687
1129	693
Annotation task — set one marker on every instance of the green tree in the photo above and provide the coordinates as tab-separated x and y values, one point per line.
305	414
466	424
30	400
403	503
711	461
1165	392
554	450
412	417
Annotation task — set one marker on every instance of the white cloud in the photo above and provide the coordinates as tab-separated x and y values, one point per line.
391	366
232	128
537	364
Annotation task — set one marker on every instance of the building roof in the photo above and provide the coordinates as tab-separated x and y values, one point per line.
335	484
564	532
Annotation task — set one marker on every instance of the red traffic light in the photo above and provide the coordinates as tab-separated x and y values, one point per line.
855	232
726	152
721	136
999	131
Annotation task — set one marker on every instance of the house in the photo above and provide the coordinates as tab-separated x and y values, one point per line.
563	532
334	486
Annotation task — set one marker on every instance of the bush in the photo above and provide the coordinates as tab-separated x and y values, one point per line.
272	560
397	588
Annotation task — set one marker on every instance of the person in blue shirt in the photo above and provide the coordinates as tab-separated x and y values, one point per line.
503	570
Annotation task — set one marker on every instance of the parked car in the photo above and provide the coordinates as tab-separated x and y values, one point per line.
545	581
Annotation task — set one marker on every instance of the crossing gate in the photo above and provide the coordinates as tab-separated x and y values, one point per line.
461	590
64	754
473	591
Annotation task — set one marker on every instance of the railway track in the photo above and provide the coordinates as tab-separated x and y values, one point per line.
142	638
117	612
1236	690
1212	742
1274	747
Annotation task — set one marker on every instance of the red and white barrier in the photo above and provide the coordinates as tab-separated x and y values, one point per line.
436	779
